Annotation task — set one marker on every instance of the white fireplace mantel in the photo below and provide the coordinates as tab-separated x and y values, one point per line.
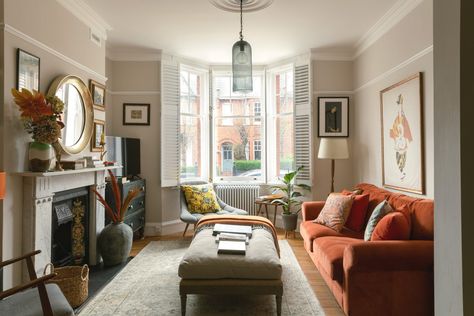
38	191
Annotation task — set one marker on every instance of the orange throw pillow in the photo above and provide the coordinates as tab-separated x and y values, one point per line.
356	219
393	226
335	211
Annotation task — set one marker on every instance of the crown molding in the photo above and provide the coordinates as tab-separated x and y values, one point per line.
333	55
87	15
13	31
137	55
393	16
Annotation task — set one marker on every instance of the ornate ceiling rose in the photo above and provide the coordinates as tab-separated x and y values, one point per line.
234	5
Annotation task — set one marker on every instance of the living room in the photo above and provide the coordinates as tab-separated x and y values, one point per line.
331	86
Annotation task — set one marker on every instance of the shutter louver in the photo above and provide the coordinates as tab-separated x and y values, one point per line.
170	125
302	91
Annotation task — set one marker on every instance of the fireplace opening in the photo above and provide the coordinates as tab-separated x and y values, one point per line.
70	228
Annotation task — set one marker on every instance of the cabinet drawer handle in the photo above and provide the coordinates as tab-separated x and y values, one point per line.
130	207
141	203
142	189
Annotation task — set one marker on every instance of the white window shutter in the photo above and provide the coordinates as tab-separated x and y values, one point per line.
170	125
302	103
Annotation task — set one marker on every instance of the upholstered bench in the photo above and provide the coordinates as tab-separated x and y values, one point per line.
205	272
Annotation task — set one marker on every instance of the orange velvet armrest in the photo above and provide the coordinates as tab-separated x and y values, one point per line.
389	255
311	210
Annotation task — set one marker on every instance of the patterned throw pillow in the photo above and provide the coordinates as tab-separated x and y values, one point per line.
201	198
335	211
379	212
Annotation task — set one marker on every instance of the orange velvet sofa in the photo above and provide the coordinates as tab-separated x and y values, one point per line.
376	277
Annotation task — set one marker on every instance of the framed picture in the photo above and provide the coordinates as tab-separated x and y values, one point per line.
98	94
136	114
333	114
402	135
28	70
99	130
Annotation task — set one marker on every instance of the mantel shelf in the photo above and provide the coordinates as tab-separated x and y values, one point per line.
62	173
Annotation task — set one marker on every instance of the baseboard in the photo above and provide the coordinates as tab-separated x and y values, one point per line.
172	227
152	229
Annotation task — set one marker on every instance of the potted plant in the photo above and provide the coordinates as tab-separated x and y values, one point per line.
290	203
115	240
41	117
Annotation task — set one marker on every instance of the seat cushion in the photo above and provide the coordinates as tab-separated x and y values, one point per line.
310	231
330	251
27	303
260	262
356	219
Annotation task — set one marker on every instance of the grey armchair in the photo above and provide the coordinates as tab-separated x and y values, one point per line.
192	218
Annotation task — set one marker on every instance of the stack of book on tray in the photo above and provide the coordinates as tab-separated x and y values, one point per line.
232	239
269	198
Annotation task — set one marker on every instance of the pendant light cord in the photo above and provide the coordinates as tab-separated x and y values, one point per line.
241	21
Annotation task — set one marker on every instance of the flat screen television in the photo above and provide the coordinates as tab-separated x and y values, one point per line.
126	152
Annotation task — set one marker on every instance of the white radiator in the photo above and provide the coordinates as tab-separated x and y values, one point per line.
239	195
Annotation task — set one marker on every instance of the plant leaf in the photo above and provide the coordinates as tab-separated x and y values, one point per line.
296	194
116	192
130	196
304	186
108	209
279	201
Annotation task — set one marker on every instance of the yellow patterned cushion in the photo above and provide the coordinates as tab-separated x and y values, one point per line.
201	198
335	211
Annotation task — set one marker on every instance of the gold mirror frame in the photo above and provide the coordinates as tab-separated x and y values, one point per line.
85	138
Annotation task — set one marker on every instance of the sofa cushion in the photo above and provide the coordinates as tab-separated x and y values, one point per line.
393	226
201	198
335	211
310	231
380	211
356	219
330	251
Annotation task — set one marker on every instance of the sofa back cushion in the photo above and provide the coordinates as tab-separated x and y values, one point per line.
421	210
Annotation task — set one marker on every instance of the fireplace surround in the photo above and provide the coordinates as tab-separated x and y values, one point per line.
39	190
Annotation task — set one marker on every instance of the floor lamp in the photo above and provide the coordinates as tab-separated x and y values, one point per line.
333	148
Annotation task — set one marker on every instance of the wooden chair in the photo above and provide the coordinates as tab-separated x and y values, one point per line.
34	297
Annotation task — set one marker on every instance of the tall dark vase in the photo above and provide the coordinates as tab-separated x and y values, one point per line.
115	243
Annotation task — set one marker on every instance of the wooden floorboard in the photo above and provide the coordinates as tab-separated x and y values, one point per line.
322	292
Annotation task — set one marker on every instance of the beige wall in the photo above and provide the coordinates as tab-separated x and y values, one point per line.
139	82
37	22
331	78
404	50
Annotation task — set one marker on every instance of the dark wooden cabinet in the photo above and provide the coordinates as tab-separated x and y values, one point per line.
135	216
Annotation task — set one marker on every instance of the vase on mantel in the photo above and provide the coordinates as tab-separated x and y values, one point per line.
40	156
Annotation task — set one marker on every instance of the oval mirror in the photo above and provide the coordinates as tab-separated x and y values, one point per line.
78	114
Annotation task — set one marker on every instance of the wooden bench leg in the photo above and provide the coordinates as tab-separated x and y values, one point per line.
183	304
278	302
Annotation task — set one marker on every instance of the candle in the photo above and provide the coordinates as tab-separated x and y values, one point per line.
102	138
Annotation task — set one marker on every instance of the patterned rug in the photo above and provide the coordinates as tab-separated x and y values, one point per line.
149	285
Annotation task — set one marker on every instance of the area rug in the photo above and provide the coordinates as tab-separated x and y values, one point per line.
149	285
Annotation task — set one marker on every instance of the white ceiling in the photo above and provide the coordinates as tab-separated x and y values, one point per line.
196	29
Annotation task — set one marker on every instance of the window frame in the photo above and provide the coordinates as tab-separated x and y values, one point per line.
203	117
248	117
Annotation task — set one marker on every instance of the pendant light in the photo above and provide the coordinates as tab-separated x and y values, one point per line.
242	62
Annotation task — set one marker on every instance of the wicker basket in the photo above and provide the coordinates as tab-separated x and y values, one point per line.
73	282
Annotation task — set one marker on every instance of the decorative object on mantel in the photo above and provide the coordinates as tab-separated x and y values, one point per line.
136	114
98	94
115	240
333	148
41	117
28	70
402	135
290	201
98	136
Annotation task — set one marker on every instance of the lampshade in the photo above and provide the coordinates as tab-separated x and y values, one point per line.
242	67
333	148
2	185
